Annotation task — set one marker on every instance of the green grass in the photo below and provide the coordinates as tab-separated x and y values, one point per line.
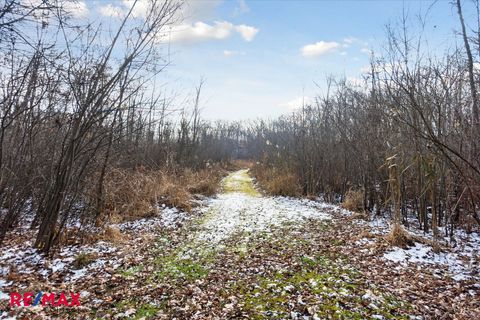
146	311
130	272
330	288
240	181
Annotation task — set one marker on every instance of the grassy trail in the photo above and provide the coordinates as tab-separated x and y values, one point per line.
257	257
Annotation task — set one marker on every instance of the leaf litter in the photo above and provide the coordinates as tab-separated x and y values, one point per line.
244	255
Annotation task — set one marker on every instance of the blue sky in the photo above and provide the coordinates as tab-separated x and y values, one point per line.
260	58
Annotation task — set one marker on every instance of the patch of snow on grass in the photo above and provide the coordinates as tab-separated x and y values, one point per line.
234	212
167	217
77	274
171	216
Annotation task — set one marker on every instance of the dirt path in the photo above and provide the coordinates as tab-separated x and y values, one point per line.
240	208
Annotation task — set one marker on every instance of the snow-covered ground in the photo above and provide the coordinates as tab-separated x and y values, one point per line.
236	212
457	258
243	210
461	262
22	261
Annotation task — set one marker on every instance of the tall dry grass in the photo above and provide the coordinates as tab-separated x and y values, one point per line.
276	181
353	200
131	194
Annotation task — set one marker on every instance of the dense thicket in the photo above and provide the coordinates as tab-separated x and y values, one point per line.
408	139
77	101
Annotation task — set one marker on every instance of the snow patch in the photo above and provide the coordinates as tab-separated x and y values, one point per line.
458	268
238	212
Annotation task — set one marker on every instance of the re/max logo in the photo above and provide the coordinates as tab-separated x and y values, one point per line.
29	299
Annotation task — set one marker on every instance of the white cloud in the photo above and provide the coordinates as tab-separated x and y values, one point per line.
140	9
241	8
196	10
366	69
319	48
190	10
247	32
201	31
297	103
356	82
77	9
228	53
353	40
349	40
111	11
192	29
366	51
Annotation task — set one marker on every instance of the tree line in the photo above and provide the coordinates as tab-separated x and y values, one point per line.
407	139
77	100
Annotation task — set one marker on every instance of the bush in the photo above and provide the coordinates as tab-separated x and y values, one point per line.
134	194
399	237
353	201
113	235
276	181
204	182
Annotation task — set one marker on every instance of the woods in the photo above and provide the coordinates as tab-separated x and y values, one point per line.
136	199
76	103
406	139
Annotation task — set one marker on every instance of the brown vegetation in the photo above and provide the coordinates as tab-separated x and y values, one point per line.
134	194
276	181
83	259
81	135
399	237
353	201
407	137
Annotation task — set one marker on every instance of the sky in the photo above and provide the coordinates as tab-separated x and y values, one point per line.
261	59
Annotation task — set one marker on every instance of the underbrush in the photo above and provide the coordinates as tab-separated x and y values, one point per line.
276	181
131	194
353	201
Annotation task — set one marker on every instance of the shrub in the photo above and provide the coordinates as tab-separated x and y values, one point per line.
277	181
113	235
135	193
353	201
399	237
204	182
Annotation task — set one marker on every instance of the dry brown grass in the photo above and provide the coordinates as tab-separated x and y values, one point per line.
242	164
276	181
353	201
399	237
366	234
360	216
114	235
205	182
83	259
134	194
